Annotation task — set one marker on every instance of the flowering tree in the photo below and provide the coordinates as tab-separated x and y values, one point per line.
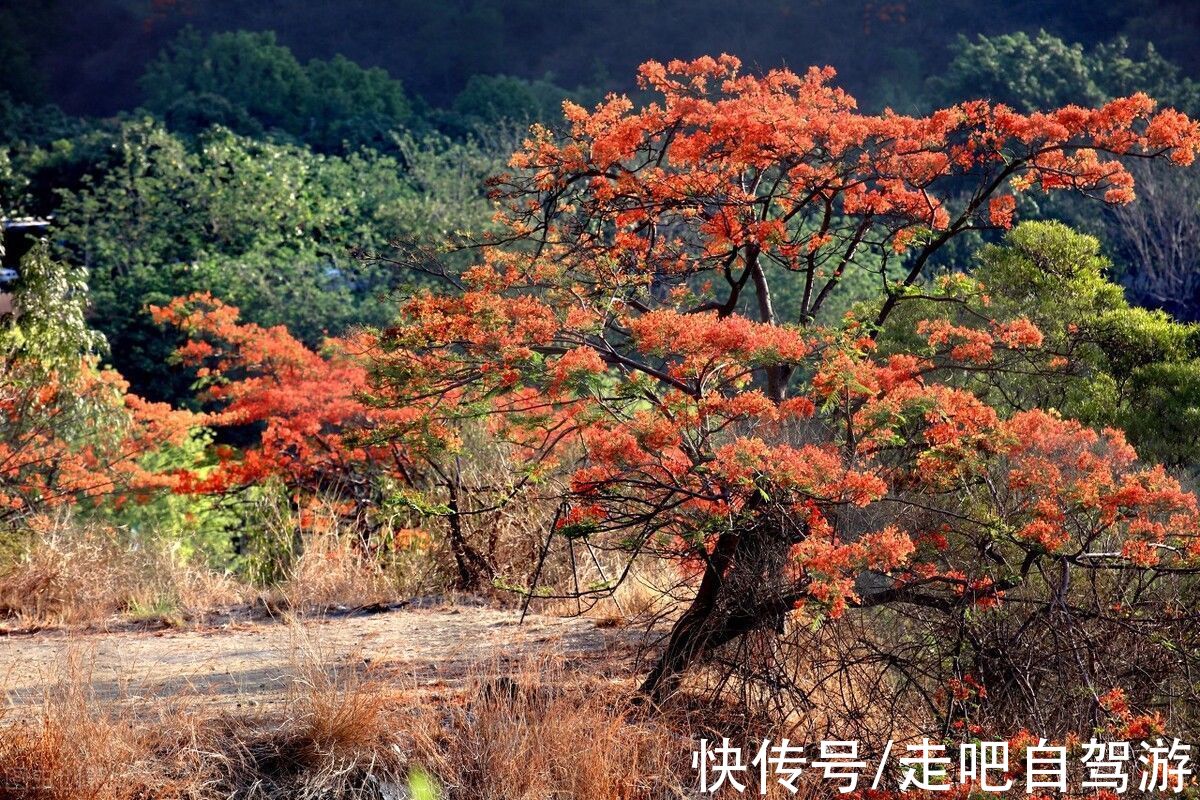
625	328
70	431
320	434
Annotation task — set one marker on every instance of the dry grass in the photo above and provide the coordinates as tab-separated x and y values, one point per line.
546	732
333	738
79	746
333	572
646	595
526	732
70	574
59	572
331	569
536	731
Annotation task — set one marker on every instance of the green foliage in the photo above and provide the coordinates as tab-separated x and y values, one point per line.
268	541
349	105
199	528
250	71
44	150
251	84
447	178
1031	73
11	187
43	169
861	281
1164	415
1027	73
27	124
489	100
1130	367
268	227
50	329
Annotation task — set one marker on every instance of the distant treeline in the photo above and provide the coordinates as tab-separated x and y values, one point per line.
88	57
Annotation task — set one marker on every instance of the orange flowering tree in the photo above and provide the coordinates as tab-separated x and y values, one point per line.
624	328
70	432
319	434
78	435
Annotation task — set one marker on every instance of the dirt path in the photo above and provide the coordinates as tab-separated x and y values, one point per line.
255	663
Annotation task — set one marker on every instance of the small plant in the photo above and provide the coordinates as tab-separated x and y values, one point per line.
160	609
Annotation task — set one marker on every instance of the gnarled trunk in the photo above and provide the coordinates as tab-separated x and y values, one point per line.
743	589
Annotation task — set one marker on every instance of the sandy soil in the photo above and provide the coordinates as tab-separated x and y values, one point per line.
254	663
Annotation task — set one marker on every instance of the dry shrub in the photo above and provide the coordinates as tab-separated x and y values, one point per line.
70	573
642	599
829	681
333	569
546	732
333	737
528	731
503	523
331	572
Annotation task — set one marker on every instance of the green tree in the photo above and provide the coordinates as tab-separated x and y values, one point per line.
269	227
251	71
1031	73
1122	366
266	226
349	105
488	102
494	98
251	84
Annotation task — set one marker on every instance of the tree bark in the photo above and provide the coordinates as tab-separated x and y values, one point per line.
473	569
743	589
690	636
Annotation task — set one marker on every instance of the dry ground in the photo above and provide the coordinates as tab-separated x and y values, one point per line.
244	663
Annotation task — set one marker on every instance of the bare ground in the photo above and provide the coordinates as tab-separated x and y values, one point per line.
254	663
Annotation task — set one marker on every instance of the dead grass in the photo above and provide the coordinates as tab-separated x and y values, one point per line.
526	731
332	572
78	746
61	573
645	596
542	731
330	568
333	738
68	574
534	730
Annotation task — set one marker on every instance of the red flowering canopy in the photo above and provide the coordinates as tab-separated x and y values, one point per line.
316	426
319	434
70	431
77	435
626	326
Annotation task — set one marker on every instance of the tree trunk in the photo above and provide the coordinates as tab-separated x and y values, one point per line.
743	589
689	636
687	642
474	571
